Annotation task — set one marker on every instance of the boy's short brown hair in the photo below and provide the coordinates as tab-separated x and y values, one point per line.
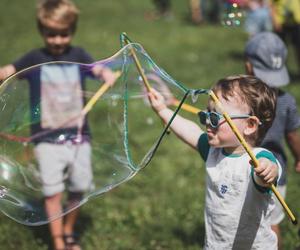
62	11
260	98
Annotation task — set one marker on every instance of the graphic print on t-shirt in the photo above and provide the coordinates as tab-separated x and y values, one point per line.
61	96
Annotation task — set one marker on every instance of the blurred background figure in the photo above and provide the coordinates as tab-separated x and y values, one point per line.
286	21
211	10
163	7
162	10
196	11
258	16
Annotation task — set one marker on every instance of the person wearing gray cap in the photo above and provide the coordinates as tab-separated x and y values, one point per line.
266	56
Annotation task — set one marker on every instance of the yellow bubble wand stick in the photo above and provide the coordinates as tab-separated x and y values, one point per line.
104	87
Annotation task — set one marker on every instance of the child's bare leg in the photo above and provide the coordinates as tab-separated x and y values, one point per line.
53	208
196	11
70	221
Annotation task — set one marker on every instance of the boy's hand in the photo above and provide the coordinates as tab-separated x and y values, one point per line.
6	71
157	101
267	171
109	76
106	74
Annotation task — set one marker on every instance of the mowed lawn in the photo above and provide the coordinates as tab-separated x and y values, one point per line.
162	206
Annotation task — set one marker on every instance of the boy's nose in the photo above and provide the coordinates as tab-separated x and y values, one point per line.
57	39
207	121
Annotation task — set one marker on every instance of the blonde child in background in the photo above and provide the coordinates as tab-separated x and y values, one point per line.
57	20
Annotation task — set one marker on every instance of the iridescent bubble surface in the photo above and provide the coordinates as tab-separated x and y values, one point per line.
110	120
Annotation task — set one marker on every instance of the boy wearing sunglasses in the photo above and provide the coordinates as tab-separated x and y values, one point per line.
238	199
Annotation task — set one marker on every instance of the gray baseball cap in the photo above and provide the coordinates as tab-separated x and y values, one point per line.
267	53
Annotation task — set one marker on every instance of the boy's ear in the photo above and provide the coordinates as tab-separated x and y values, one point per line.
249	68
252	125
39	26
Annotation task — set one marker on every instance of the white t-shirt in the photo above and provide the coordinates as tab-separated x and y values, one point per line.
61	96
237	210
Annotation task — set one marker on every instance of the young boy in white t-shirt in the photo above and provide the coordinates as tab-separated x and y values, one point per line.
238	201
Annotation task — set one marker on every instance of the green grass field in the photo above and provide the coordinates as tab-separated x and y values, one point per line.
161	207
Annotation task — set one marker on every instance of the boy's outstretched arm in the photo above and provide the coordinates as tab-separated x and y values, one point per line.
186	130
105	73
266	173
6	71
293	141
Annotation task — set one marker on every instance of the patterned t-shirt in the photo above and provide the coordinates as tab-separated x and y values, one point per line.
237	210
55	92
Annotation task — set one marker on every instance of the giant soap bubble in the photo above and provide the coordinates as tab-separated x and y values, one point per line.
110	128
112	120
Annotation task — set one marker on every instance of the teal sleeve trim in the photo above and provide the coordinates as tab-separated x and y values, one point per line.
203	146
271	157
266	154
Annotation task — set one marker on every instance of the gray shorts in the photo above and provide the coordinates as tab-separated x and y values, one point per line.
277	213
65	163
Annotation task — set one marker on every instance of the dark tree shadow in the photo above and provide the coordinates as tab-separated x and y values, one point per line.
237	55
83	223
298	246
191	238
295	77
42	234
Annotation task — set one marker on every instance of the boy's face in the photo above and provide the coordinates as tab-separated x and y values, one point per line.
57	36
223	136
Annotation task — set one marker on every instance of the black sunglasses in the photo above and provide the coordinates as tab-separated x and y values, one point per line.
214	118
53	33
